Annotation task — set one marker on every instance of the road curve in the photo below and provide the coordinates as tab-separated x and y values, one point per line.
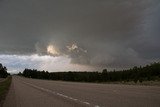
25	92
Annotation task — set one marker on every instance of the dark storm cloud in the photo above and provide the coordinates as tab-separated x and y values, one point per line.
106	32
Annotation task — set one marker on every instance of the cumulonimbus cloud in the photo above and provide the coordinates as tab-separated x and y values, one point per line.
107	33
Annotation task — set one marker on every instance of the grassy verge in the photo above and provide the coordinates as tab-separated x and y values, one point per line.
4	86
145	83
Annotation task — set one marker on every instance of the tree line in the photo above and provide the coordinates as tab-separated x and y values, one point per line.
3	71
146	73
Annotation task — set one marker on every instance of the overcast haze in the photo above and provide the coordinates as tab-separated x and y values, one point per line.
61	35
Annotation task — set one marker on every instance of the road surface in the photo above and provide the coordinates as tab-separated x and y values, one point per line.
25	92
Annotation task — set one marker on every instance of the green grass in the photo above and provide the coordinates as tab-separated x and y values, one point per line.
4	86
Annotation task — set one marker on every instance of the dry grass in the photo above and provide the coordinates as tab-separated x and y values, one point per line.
4	86
146	83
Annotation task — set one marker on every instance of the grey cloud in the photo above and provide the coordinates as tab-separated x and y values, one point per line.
114	33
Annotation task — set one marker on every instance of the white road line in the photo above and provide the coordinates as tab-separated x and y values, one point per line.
86	103
61	95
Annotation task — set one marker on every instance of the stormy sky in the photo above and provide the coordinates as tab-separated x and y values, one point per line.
62	35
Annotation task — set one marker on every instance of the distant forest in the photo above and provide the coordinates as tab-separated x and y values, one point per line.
3	71
146	73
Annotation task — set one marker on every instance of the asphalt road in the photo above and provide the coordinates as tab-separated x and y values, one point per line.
26	92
